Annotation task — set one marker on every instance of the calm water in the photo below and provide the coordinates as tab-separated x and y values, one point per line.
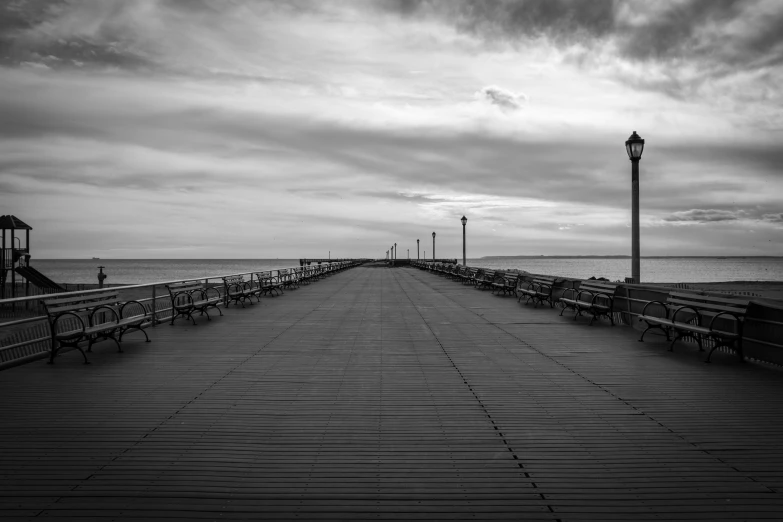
138	271
669	270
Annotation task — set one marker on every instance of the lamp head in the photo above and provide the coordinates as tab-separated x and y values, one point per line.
634	146
464	220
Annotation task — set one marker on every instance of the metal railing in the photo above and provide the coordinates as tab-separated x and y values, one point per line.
28	335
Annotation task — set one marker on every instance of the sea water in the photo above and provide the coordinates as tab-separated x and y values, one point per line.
653	270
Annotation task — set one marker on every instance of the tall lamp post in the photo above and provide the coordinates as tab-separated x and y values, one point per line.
417	249
433	246
464	222
634	146
395	251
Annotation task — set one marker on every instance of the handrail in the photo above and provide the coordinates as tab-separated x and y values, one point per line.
148	302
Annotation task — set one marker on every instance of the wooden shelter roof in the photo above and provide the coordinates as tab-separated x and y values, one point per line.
10	222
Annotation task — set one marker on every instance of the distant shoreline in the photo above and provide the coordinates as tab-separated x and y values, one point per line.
629	257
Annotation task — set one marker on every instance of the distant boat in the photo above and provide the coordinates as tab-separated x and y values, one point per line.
96	257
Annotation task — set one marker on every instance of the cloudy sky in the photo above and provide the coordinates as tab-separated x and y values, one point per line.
262	129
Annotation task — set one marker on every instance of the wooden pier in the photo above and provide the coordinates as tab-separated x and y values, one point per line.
385	393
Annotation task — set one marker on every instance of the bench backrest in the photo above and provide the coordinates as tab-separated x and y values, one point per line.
233	280
707	303
79	303
186	287
267	277
512	278
603	287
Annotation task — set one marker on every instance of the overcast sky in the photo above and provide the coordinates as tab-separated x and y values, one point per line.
262	129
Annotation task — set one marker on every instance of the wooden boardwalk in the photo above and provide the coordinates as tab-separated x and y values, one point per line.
391	394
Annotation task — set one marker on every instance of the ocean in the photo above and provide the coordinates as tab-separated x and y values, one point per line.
653	270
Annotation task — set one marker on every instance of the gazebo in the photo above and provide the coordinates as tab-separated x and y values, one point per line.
16	259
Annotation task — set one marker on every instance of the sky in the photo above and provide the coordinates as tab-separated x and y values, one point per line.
261	129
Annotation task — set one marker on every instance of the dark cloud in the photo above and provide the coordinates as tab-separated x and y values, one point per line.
698	215
502	98
716	37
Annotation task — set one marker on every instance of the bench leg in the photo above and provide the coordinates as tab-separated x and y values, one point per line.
686	334
56	347
56	350
650	327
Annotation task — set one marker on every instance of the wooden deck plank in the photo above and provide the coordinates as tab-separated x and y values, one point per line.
381	393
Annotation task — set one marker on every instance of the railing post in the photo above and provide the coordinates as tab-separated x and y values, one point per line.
154	308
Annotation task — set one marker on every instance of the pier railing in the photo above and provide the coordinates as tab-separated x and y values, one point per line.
631	298
26	336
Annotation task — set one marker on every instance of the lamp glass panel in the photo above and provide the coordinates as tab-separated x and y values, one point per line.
628	150
636	149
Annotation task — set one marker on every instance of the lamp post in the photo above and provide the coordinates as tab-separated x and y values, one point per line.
395	251
417	249
634	146
433	246
464	222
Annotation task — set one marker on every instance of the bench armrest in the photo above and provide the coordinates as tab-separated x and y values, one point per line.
205	292
544	288
104	308
602	295
575	294
176	296
131	306
661	304
695	311
736	317
72	333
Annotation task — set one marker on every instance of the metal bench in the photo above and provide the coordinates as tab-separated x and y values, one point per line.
484	278
90	317
505	282
541	289
192	296
288	278
593	297
269	283
700	317
237	290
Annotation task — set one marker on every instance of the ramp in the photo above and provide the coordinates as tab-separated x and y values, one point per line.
37	278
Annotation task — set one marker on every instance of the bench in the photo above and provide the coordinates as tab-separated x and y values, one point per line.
91	317
700	317
594	297
539	290
484	278
237	290
269	284
505	282
469	275
191	296
288	278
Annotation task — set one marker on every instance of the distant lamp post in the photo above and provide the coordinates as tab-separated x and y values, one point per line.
634	147
417	249
464	222
395	251
433	246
